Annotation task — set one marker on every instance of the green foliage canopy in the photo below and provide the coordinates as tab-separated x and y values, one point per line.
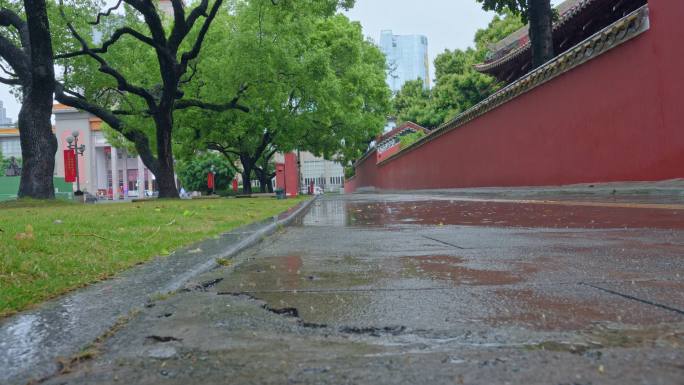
311	81
457	85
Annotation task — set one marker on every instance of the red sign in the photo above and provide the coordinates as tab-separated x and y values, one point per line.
235	185
69	166
210	180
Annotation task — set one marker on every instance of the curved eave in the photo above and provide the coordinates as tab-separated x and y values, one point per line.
525	51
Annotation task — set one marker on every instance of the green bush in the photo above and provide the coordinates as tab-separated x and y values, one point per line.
409	139
193	173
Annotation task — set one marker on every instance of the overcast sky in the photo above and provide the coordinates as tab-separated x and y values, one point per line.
446	23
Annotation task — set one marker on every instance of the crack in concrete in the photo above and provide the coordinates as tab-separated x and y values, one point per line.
447	243
156	338
203	286
633	298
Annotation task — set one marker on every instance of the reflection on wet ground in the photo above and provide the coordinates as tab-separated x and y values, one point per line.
452	269
374	261
513	214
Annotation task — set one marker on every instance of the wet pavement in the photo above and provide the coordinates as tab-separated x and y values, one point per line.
429	288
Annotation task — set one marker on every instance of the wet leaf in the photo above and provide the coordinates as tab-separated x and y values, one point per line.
224	261
27	234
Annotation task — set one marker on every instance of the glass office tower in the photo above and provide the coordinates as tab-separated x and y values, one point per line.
407	58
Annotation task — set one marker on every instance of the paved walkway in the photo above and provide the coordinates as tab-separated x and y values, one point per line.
434	289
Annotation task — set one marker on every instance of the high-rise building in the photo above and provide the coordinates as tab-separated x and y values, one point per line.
4	120
407	58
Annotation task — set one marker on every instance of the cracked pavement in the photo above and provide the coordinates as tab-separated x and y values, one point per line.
423	288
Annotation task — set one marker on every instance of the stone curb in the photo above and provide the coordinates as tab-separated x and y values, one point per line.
252	239
32	341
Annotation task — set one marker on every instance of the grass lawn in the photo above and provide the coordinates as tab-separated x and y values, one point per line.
48	248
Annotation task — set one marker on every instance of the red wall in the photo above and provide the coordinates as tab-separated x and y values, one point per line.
291	175
618	117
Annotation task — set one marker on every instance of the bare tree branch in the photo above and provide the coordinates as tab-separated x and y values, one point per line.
109	42
10	82
10	18
106	13
193	67
231	105
188	103
122	83
15	57
194	52
6	71
149	11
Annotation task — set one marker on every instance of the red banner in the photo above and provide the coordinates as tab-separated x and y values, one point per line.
69	166
210	180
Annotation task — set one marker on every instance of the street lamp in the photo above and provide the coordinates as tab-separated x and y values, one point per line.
72	144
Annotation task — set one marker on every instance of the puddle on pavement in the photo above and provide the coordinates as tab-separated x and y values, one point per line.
450	268
291	273
602	337
574	310
296	273
504	214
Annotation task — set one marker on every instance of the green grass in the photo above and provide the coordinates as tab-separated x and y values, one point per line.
49	248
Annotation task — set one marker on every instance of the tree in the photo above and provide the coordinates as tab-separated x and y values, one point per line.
142	75
414	103
309	76
26	47
193	173
458	86
540	16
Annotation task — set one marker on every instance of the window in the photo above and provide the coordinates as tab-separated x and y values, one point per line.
11	147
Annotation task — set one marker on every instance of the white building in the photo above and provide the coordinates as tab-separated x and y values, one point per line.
326	174
9	142
104	170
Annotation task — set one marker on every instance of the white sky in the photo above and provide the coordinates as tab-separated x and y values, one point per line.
448	24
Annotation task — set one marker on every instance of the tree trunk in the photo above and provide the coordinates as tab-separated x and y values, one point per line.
38	143
269	183
246	175
263	179
541	31
166	179
38	148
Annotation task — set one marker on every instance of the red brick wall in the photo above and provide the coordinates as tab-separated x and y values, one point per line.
618	117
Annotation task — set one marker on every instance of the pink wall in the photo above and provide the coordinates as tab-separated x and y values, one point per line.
618	117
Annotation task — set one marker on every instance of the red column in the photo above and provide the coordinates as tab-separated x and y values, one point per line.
291	175
280	175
